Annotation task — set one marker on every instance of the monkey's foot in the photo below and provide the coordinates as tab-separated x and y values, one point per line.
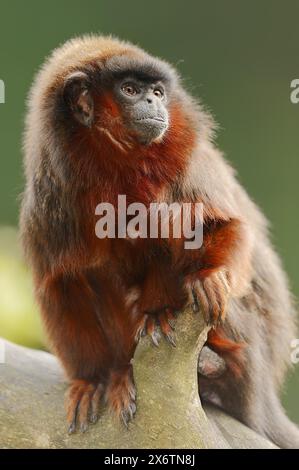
121	394
82	404
165	319
212	294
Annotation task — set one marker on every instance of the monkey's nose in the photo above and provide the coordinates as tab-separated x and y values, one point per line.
149	100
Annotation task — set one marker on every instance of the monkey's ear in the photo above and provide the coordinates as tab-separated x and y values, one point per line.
77	95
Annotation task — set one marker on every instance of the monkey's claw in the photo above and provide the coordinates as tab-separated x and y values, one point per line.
165	319
128	413
211	295
82	404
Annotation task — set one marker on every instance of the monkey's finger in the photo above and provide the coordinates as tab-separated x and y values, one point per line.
192	297
223	308
155	337
72	425
132	392
166	329
189	293
73	398
195	305
128	407
150	325
224	280
84	408
169	313
221	293
127	414
164	324
171	338
95	403
143	328
126	417
214	309
201	297
151	329
140	331
133	408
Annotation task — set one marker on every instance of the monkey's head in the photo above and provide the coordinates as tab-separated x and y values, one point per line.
112	95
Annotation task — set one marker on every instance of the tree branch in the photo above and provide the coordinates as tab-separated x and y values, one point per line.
169	412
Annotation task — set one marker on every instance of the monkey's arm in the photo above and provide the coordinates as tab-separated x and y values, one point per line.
222	266
208	276
220	269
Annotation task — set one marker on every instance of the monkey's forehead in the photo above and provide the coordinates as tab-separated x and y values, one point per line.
110	56
144	67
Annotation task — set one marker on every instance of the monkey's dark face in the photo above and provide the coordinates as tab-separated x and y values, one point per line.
132	93
143	107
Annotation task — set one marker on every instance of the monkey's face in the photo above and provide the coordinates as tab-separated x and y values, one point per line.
144	108
128	98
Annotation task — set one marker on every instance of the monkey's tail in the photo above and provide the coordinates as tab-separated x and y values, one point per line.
276	424
267	416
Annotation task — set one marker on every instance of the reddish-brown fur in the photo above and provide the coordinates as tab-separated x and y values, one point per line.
100	347
97	296
231	351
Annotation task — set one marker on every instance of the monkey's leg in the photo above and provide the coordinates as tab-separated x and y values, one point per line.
67	305
93	344
122	329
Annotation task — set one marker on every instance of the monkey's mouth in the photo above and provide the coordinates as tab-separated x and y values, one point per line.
152	119
150	128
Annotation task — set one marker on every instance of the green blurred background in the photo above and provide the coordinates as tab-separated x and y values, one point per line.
238	56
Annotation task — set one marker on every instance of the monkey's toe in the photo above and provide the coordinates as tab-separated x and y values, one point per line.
82	404
121	394
163	321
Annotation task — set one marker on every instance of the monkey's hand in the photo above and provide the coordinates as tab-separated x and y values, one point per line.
211	294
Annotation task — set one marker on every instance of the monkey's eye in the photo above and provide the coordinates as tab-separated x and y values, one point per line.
129	89
159	93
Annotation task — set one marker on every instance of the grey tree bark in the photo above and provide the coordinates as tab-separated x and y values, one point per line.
169	412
